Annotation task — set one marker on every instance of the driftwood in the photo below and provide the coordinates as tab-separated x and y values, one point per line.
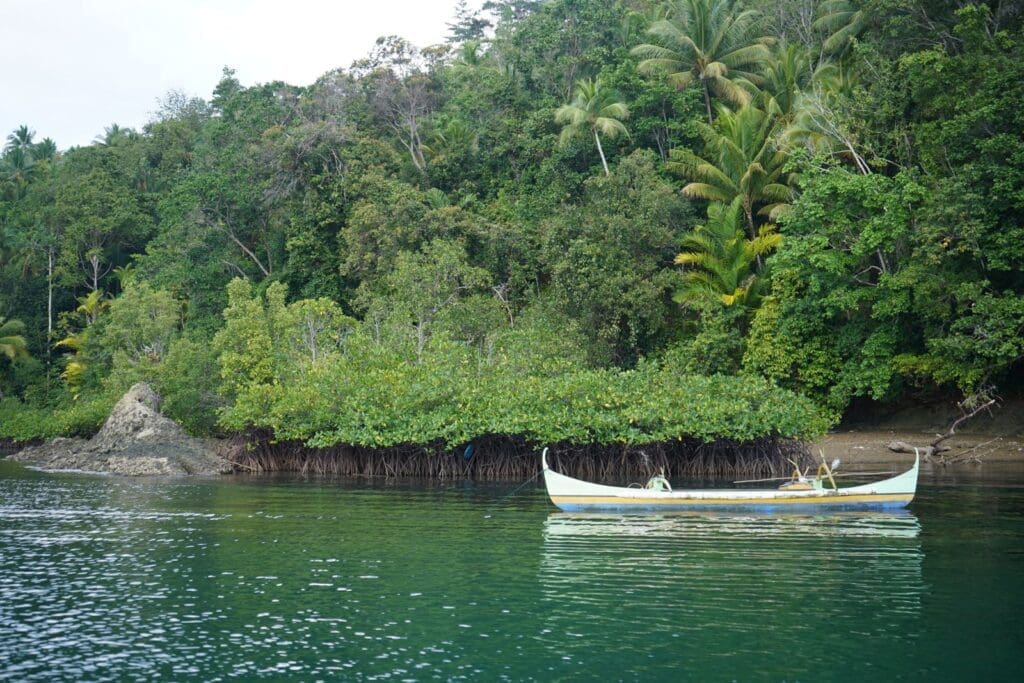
935	447
971	454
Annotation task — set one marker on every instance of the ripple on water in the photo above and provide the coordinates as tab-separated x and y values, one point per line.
110	579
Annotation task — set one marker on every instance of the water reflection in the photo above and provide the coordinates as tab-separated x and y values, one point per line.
753	586
901	524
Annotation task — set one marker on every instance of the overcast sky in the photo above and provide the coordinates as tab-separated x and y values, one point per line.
68	68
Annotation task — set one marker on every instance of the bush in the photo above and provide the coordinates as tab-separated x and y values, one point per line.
21	421
371	396
188	380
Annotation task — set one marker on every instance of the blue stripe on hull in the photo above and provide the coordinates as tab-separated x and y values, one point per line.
760	507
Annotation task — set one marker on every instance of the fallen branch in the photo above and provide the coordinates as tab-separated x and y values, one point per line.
926	451
934	448
966	455
963	418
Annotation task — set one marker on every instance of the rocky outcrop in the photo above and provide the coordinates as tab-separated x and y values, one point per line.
135	440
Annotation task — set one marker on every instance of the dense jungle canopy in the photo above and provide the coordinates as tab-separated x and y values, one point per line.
576	220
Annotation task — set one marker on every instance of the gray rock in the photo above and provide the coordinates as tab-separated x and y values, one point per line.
136	440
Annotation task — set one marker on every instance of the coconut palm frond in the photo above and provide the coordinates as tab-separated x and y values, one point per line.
610	128
842	21
711	42
706	192
12	339
730	90
720	261
748	54
596	108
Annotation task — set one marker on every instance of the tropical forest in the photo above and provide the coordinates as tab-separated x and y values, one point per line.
704	229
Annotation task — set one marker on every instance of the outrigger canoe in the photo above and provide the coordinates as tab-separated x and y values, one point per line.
803	494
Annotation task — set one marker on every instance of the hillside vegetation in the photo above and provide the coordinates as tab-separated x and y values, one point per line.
576	221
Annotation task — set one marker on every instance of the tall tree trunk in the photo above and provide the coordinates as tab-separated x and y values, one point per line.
604	162
707	101
421	341
49	299
95	261
748	211
862	165
864	169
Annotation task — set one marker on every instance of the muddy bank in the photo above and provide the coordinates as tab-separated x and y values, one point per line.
857	447
995	436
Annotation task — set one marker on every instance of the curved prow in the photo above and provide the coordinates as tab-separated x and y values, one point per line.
544	459
905	483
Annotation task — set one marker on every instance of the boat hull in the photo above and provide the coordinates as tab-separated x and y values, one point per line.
837	503
574	495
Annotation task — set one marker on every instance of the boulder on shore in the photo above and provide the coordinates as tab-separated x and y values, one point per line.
135	440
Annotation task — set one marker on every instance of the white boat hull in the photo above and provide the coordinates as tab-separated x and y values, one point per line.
575	495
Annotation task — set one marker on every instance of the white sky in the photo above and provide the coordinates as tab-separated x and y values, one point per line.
68	68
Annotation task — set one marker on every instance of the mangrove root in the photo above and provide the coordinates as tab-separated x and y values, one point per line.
510	458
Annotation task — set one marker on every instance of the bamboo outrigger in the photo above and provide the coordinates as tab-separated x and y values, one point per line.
802	493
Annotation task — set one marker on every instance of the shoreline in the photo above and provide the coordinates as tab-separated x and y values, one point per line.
858	449
870	446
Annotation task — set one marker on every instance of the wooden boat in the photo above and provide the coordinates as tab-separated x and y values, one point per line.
801	494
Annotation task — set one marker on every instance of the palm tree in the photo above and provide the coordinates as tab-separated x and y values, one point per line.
75	365
45	150
20	138
709	42
786	75
452	139
113	134
470	53
12	340
843	22
719	261
17	167
596	109
92	305
740	161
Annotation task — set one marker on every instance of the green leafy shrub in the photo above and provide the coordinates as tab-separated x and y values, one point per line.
373	396
187	381
20	421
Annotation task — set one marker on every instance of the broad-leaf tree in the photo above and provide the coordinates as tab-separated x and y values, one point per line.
422	286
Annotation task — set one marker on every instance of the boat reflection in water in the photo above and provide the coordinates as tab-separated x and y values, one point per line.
704	588
897	524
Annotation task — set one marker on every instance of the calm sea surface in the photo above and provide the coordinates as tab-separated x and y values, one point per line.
104	578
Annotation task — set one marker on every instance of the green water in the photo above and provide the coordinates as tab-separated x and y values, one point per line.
105	578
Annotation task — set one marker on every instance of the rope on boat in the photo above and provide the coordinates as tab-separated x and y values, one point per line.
514	492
